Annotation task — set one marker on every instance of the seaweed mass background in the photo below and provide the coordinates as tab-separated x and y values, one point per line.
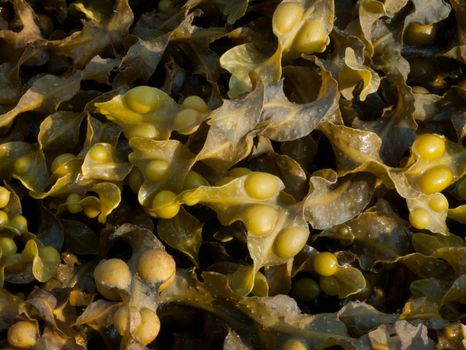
233	174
